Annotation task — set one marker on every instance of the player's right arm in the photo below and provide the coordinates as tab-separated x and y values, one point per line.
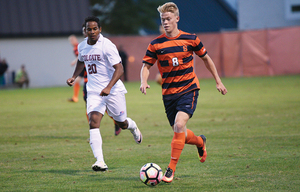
144	78
78	69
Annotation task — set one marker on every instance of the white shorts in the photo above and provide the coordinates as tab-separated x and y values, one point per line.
115	105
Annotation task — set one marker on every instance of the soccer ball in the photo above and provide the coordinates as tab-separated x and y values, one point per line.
151	174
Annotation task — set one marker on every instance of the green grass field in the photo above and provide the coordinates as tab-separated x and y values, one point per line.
253	137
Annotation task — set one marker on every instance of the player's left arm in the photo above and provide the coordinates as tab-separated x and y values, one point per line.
212	68
119	70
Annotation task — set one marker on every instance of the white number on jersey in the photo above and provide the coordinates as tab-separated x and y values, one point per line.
175	61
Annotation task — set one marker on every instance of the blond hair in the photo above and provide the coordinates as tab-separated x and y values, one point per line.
168	7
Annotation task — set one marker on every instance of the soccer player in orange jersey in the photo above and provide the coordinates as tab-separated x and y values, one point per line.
76	88
173	52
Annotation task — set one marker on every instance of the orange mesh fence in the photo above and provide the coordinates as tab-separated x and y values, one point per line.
236	54
284	50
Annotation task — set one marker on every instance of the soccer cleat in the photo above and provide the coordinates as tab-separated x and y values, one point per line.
117	130
169	175
202	150
99	166
137	135
73	100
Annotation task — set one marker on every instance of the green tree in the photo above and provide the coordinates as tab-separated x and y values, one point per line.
126	17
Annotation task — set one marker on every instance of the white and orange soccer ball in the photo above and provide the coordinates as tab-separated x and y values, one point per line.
151	174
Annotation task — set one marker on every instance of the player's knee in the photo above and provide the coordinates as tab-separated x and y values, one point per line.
179	127
94	123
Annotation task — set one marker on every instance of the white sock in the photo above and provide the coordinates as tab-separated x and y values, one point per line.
131	124
96	143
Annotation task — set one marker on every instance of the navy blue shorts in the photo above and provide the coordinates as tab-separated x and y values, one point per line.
186	103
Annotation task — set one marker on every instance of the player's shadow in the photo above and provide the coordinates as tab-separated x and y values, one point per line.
62	137
94	176
87	173
62	171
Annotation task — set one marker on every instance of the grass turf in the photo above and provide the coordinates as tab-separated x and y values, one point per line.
253	136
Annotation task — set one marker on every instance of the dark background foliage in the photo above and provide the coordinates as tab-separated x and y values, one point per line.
127	16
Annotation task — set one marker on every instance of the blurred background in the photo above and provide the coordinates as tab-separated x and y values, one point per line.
243	37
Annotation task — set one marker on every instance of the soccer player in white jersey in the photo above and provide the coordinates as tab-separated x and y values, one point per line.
105	90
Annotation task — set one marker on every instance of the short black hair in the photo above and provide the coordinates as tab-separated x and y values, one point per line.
92	18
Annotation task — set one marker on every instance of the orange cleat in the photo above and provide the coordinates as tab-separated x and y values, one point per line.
169	175
73	100
202	150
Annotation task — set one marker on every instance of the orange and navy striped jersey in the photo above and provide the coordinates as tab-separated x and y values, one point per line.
85	79
75	49
175	62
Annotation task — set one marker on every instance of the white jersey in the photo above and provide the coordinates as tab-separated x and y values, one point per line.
99	60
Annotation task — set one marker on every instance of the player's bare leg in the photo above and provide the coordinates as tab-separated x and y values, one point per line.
131	125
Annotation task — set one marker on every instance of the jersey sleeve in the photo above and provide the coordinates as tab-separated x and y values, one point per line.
151	56
79	54
198	48
112	53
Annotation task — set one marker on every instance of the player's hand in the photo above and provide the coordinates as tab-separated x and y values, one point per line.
143	88
221	88
71	81
105	91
